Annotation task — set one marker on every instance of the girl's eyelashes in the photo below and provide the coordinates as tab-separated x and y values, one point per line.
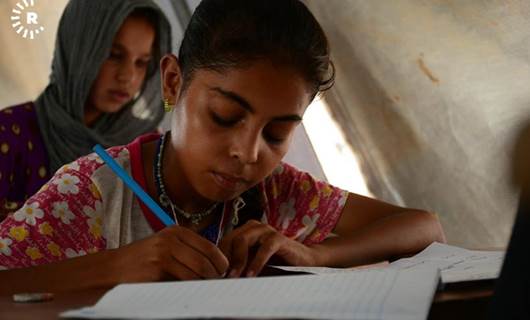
226	123
278	133
222	121
115	55
142	63
273	140
119	56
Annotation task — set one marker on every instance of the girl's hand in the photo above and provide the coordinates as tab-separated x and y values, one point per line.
268	242
173	253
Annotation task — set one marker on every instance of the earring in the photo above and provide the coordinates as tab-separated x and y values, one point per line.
167	106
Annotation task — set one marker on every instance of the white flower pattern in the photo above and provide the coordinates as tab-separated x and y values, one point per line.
62	211
71	253
67	183
310	223
287	213
29	213
94	157
71	166
94	213
95	220
4	246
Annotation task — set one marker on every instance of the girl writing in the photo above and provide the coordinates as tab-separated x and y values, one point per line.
245	74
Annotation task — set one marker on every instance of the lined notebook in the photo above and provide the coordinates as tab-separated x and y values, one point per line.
365	294
456	264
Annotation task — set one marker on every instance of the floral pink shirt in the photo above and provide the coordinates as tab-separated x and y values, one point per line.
85	208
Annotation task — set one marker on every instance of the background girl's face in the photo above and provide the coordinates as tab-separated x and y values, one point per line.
231	129
122	74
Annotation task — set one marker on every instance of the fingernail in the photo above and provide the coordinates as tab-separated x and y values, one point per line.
233	273
250	274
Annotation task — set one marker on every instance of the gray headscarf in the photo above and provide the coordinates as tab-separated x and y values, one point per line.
84	39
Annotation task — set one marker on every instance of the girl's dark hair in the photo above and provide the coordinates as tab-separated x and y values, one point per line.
234	33
153	17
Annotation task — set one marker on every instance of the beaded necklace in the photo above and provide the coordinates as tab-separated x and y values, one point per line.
164	198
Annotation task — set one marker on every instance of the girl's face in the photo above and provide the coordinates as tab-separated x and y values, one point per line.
231	129
122	74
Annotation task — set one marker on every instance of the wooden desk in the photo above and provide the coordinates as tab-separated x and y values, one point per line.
464	302
49	309
461	303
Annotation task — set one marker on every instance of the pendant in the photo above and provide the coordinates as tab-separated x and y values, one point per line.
164	200
195	219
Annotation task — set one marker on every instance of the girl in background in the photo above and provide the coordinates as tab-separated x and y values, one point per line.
104	88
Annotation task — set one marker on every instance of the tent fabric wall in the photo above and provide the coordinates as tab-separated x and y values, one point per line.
25	63
431	95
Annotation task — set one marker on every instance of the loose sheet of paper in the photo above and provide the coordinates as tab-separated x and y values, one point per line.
365	294
456	264
327	270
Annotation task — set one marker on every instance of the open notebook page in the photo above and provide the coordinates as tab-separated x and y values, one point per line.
364	294
456	264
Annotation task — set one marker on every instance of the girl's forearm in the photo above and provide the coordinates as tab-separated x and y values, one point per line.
397	235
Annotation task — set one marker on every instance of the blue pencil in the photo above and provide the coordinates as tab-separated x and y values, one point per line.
135	187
